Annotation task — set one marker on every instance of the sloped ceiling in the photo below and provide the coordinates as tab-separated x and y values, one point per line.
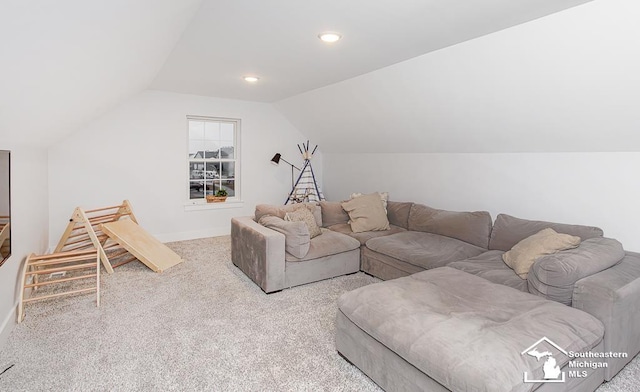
277	40
566	82
65	62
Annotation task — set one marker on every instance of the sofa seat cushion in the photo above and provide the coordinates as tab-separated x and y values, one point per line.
424	250
489	265
465	332
365	236
327	244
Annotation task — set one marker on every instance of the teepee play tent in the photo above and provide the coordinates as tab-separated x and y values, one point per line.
306	188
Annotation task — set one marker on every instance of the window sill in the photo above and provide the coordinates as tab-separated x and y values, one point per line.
193	206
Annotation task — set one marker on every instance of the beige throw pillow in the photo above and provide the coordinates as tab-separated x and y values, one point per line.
384	196
366	213
545	242
304	215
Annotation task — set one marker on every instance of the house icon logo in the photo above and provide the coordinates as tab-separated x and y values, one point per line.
551	369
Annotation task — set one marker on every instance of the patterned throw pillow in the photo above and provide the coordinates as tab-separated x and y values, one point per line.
304	215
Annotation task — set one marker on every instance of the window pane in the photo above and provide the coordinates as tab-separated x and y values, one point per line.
226	151
196	190
227	132
227	140
196	130
213	170
229	186
228	170
196	170
212	130
209	186
212	147
196	149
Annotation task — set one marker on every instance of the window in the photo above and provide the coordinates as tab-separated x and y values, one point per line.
213	157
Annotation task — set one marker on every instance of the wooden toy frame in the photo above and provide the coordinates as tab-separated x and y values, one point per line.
78	261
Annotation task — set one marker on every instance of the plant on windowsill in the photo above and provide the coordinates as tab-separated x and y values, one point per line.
220	196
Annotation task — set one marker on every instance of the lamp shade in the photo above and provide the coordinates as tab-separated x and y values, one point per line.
276	159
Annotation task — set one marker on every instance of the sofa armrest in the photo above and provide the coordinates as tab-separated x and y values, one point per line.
259	252
613	296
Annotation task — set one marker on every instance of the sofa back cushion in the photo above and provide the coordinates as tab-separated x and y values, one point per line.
398	213
554	276
508	231
281	211
333	213
471	227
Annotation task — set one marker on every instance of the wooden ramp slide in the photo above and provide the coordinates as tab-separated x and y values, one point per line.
153	253
86	231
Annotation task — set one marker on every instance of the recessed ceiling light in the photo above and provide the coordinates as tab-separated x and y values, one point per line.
329	36
251	79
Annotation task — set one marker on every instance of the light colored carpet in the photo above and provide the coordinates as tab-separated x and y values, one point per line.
199	326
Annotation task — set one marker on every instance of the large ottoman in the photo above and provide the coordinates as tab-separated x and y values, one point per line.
444	329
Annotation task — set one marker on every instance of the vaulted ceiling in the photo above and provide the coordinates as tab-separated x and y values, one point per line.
66	62
277	40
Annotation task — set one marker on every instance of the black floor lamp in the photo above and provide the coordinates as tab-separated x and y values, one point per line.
276	161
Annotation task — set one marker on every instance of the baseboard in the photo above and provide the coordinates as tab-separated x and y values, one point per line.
7	325
192	235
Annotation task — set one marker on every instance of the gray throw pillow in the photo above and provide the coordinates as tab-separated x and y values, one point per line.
296	234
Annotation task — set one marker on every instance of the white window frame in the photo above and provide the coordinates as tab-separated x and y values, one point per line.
231	200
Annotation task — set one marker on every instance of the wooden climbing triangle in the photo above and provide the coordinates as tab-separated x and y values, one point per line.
115	233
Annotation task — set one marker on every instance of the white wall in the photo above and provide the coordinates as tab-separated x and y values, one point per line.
139	152
597	189
29	223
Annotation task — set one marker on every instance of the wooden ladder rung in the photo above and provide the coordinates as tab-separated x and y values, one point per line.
78	247
60	269
102	209
64	254
61	294
61	261
127	261
48	282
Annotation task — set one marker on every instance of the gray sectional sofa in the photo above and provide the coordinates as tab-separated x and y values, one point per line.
451	315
